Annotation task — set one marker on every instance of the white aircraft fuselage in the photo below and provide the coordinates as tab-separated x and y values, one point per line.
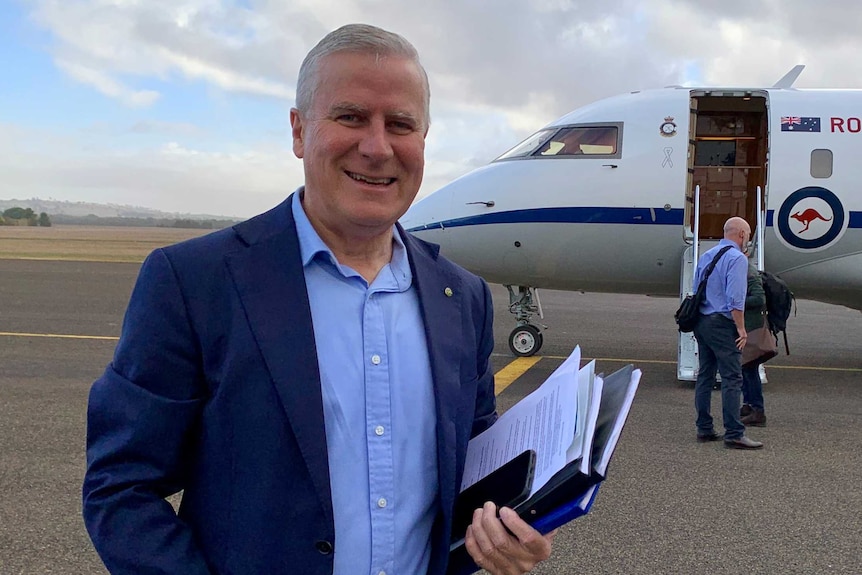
602	198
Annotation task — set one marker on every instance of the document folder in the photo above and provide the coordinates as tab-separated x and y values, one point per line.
571	492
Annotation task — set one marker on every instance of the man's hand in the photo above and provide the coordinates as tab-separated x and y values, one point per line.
506	545
739	319
741	339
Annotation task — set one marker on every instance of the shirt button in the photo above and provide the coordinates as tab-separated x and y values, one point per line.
379	430
375	359
381	502
382	573
324	547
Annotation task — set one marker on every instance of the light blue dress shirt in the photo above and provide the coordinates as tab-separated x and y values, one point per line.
378	406
728	283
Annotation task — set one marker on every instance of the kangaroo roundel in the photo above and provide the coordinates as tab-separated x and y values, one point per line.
811	219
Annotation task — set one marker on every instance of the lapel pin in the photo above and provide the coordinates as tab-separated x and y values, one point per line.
448	292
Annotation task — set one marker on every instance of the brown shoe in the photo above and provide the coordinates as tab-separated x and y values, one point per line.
742	443
754	419
744	410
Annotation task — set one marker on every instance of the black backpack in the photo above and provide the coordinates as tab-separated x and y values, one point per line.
779	302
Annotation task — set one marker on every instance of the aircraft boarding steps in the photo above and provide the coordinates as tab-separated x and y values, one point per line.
687	362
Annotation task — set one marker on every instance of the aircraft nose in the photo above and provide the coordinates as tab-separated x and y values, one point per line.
428	212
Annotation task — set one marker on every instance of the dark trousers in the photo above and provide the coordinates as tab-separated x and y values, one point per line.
716	347
752	388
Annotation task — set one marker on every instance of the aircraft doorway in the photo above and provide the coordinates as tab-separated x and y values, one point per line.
727	159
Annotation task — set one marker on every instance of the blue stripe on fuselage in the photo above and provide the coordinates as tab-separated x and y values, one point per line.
572	215
587	215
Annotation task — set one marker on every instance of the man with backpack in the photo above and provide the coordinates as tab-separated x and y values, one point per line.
779	303
752	413
769	296
720	333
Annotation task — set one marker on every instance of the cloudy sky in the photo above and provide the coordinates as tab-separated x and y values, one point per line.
182	105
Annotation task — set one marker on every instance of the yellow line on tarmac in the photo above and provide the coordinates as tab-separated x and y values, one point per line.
502	379
59	336
85	260
515	369
768	365
620	359
670	362
849	369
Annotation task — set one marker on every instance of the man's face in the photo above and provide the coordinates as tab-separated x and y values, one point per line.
745	235
362	142
739	233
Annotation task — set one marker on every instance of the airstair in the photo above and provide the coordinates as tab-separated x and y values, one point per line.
687	360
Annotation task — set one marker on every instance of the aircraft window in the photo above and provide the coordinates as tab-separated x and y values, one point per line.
821	163
553	148
577	141
528	146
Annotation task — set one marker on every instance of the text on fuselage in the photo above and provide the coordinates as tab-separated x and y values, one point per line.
851	125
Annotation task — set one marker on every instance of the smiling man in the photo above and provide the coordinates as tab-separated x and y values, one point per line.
362	142
310	378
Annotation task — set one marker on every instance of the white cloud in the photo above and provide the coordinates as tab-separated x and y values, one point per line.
499	71
171	177
503	56
160	127
223	77
108	86
207	40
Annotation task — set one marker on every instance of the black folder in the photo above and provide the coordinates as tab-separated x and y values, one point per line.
570	493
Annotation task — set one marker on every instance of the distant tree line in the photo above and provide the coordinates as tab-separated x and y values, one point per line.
149	222
27	217
24	217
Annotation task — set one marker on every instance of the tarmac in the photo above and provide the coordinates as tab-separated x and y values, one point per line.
669	505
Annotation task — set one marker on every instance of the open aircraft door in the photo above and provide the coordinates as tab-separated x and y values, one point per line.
727	176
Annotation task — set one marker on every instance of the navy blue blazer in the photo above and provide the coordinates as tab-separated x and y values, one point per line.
214	390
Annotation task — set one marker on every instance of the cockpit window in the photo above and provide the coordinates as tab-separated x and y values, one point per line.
528	146
583	140
577	141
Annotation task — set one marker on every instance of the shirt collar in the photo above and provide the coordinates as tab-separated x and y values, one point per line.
310	245
727	242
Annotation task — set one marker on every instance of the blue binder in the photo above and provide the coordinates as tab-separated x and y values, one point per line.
460	562
569	494
567	512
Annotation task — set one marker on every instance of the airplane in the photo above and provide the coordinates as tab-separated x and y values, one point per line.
621	195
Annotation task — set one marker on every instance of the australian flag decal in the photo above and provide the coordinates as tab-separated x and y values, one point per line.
800	124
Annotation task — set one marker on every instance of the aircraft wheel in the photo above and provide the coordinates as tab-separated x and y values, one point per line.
525	340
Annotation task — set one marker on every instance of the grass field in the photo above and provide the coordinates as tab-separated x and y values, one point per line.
87	243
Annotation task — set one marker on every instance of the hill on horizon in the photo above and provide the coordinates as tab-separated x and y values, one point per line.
82	209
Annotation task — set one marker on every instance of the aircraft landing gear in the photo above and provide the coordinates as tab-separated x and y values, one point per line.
526	339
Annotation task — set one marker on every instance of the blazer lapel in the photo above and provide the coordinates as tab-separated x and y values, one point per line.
269	277
440	301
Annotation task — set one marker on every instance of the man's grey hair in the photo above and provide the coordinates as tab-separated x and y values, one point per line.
362	38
